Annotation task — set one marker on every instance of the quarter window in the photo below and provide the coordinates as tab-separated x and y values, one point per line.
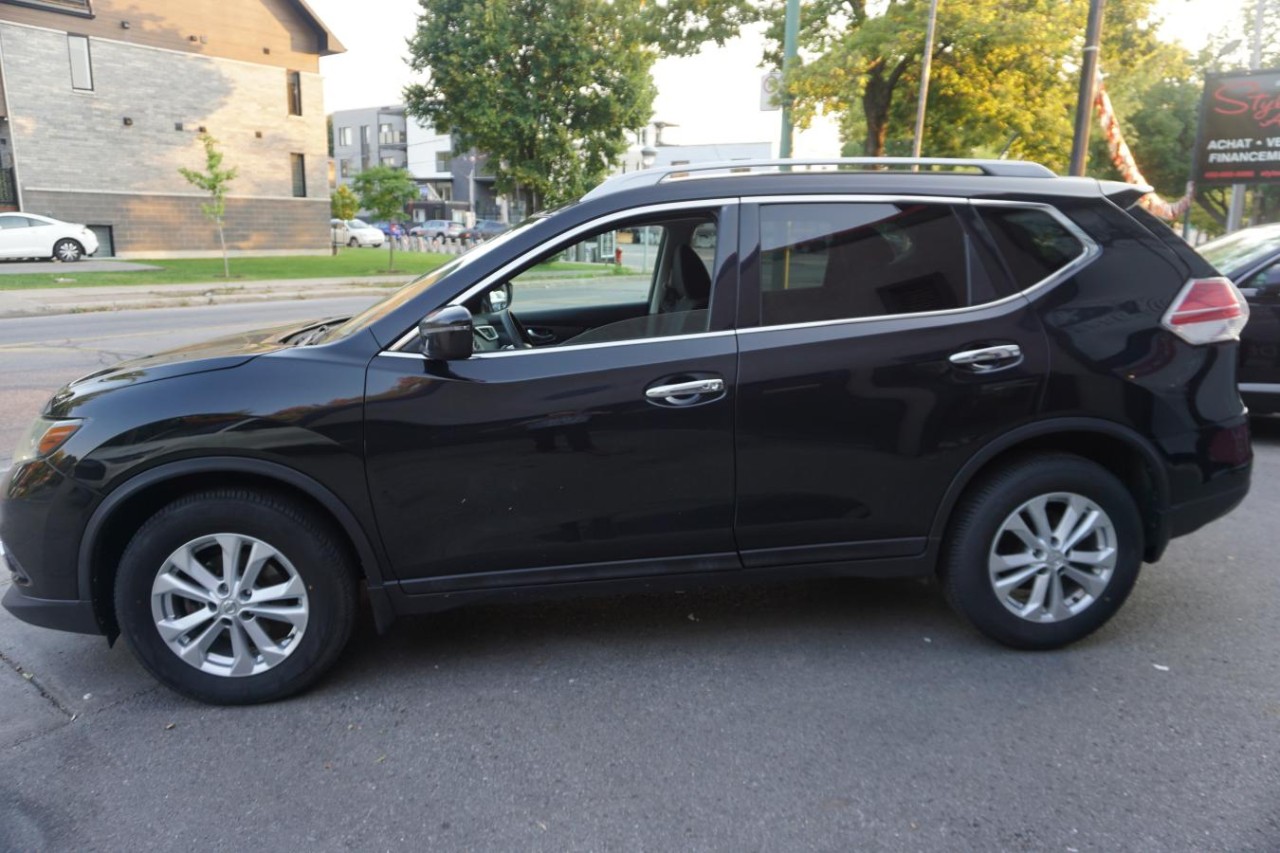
1033	243
81	63
848	260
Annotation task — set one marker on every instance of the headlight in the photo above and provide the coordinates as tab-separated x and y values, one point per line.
44	437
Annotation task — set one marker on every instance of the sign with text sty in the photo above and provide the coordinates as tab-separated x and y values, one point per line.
1240	129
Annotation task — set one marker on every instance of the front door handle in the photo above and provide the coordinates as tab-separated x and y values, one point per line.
988	358
679	393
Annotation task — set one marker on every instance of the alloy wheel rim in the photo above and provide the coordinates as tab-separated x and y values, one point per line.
1052	557
230	605
68	252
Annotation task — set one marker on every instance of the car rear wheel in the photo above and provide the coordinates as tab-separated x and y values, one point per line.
353	243
68	251
235	597
1042	552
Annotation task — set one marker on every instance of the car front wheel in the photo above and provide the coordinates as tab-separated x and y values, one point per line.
235	597
1042	552
68	251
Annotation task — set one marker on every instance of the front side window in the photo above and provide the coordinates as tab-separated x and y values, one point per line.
840	261
81	63
648	278
9	223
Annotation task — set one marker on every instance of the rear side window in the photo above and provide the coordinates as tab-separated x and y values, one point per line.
849	260
1033	243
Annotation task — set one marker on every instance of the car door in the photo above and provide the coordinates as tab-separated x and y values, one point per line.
1260	341
13	235
880	345
590	459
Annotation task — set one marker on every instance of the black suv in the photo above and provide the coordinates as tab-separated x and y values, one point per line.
1019	383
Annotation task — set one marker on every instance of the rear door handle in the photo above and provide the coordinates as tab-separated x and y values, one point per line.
988	358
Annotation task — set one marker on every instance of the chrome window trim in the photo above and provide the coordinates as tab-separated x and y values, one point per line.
507	353
1091	251
565	239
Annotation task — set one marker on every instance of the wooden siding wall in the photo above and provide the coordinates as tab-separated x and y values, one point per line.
267	32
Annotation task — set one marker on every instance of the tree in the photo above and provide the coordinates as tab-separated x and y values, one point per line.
549	88
343	203
213	180
384	191
1004	74
546	89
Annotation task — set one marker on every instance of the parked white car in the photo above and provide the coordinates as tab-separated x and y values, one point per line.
353	232
27	235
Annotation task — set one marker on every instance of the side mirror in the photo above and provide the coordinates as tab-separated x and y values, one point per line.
498	298
447	334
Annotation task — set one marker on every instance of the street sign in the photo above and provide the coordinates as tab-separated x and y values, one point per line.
1239	140
770	90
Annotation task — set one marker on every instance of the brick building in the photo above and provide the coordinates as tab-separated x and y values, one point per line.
101	101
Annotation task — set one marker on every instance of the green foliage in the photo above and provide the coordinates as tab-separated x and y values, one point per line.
343	203
384	191
546	89
214	180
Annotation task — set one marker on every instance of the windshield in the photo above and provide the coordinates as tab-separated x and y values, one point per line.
356	223
425	282
1237	252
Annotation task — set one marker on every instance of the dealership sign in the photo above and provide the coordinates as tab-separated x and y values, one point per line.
1240	129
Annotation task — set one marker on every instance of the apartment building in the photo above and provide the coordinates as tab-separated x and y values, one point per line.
102	101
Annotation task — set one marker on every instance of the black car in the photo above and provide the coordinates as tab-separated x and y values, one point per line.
981	372
1251	258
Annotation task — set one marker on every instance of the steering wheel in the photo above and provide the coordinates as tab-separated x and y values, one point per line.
513	328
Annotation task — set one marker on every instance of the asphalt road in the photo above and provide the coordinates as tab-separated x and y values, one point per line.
838	715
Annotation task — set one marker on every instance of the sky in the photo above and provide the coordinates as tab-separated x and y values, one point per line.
711	97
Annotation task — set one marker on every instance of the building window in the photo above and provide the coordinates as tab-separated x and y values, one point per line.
442	161
71	7
390	161
386	134
344	136
295	92
365	138
81	63
299	164
344	168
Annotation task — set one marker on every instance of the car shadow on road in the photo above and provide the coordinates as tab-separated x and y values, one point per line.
865	613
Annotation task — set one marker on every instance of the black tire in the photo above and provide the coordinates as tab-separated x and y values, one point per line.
68	251
353	243
972	541
317	558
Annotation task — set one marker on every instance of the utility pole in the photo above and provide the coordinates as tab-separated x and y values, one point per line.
925	64
1235	213
1088	88
790	34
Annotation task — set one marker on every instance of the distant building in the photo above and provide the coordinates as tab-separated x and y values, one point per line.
101	101
681	155
449	187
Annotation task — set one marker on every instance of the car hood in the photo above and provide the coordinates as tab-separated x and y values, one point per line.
218	354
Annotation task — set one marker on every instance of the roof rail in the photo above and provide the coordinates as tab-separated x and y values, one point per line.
657	175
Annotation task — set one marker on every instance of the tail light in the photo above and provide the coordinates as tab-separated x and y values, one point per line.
1206	311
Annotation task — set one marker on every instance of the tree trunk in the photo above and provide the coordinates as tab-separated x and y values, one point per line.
226	262
876	101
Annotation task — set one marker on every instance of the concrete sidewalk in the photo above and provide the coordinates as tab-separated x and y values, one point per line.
74	300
